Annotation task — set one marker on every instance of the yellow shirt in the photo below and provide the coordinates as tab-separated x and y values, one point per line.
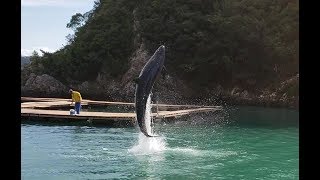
76	96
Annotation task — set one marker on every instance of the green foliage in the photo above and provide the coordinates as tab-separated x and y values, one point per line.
208	41
102	41
36	65
76	21
224	42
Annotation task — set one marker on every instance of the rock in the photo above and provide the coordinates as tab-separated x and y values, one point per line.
44	84
30	80
245	94
84	86
235	91
129	88
218	91
137	61
288	83
284	97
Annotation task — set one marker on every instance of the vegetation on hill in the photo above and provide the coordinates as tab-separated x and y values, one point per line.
248	43
25	60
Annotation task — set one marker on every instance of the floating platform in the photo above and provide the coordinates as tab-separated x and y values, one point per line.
30	102
37	108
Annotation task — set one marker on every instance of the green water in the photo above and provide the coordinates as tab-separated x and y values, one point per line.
244	143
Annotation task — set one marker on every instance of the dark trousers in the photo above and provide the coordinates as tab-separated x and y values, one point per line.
77	106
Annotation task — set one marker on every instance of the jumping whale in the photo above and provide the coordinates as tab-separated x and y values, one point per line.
144	84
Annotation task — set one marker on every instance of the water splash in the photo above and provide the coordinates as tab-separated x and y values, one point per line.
157	145
147	145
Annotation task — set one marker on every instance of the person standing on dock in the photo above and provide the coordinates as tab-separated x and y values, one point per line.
76	98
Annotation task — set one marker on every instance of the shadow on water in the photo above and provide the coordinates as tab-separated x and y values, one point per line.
53	123
109	124
248	116
241	116
261	116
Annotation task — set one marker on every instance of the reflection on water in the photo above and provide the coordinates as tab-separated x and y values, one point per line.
251	143
274	117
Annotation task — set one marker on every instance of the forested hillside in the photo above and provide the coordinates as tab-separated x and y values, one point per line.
252	44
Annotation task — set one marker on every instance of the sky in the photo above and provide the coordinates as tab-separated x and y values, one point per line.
43	23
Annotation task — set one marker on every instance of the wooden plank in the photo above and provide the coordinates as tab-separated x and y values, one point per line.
33	99
66	114
47	104
91	102
166	114
106	115
50	102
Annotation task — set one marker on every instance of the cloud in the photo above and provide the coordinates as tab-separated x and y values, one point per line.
60	3
28	52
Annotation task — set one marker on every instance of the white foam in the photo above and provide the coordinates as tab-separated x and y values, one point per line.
190	151
157	145
198	152
147	145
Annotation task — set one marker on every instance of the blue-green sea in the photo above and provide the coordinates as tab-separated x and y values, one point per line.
240	143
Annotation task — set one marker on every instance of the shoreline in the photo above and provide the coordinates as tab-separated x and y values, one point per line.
213	100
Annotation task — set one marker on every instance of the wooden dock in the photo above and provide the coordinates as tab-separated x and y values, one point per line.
30	102
36	107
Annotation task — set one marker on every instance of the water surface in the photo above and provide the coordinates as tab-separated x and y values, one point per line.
244	143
